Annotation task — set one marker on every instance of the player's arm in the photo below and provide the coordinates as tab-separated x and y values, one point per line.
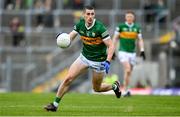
115	39
140	42
108	42
141	46
73	34
110	50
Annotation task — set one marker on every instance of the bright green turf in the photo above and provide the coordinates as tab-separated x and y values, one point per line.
29	104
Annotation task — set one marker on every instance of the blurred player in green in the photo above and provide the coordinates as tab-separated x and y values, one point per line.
96	54
127	34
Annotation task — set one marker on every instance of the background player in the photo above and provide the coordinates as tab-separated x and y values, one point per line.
127	33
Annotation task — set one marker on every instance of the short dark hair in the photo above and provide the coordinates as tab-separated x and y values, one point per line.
130	12
89	7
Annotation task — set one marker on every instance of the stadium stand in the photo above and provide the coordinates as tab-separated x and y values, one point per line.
37	59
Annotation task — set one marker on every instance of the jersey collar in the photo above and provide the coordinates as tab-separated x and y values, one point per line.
129	25
91	25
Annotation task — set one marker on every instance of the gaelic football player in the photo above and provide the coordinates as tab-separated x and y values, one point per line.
127	34
96	54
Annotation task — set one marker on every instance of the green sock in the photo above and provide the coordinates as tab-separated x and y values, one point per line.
114	86
57	99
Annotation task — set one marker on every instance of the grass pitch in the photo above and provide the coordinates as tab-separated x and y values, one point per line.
74	104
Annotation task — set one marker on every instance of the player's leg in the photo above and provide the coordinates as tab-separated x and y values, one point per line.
127	74
128	68
124	59
75	69
98	86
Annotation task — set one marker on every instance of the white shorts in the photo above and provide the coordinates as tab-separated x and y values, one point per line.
96	66
127	57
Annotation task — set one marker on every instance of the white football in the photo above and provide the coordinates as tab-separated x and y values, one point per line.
63	40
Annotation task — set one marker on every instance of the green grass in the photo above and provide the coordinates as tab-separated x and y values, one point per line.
29	104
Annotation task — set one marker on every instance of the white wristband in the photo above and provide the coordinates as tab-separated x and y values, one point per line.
142	49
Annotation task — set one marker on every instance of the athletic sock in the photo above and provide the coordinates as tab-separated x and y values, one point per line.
127	89
56	101
114	86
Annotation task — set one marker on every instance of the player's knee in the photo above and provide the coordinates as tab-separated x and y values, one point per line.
128	71
68	80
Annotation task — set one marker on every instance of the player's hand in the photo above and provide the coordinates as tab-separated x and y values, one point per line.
142	54
59	34
106	65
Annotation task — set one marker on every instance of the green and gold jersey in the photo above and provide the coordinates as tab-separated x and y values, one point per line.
93	47
127	36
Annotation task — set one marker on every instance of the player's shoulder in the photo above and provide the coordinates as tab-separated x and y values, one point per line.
99	23
121	24
99	26
137	25
80	22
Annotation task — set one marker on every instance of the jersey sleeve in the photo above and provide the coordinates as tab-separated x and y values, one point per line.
118	29
139	31
103	32
77	26
116	32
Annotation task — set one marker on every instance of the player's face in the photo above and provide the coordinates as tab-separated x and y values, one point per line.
89	16
129	18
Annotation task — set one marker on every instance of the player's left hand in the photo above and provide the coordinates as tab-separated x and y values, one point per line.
59	34
107	66
142	54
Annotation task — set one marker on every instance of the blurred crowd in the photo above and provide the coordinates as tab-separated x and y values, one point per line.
44	8
176	27
43	14
44	17
46	4
154	12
